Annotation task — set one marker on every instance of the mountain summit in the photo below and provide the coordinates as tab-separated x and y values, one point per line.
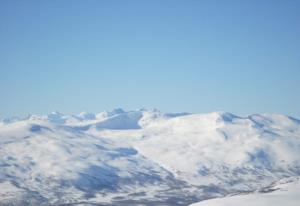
143	157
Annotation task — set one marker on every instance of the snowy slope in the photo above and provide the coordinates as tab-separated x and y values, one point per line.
283	194
143	157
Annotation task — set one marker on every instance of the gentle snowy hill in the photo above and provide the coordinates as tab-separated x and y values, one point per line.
283	194
143	157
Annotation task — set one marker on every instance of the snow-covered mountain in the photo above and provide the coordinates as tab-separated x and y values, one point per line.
143	157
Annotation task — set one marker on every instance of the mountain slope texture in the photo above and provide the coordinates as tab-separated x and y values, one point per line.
144	157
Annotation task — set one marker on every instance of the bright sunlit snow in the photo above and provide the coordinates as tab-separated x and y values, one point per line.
143	157
282	194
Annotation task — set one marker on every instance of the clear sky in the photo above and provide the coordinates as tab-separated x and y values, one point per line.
175	55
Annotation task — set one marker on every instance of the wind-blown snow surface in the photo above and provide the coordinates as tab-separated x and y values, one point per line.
283	194
143	157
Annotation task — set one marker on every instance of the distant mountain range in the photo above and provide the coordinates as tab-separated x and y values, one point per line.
143	157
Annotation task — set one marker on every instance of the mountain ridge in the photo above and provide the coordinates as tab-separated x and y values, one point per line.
143	157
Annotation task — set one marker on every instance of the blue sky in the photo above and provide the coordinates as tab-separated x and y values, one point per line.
195	56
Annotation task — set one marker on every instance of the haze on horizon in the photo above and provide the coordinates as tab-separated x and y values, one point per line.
177	56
